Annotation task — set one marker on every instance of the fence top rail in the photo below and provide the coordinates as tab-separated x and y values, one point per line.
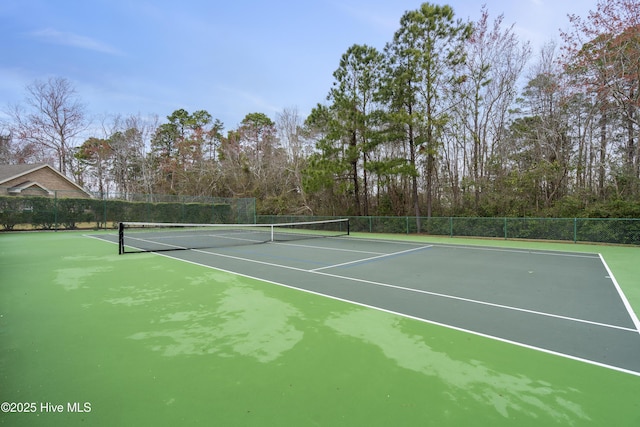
509	218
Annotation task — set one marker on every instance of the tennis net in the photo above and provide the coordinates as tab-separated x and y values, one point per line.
155	237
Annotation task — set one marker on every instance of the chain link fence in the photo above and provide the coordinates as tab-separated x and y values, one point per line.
597	230
60	212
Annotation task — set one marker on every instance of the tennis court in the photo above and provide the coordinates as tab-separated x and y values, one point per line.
341	331
566	303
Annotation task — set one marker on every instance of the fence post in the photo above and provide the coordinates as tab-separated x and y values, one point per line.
575	230
505	228
148	207
450	226
55	210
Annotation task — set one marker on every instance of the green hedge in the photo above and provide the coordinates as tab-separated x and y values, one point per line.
45	213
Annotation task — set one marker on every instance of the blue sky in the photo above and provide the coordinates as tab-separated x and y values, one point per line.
230	58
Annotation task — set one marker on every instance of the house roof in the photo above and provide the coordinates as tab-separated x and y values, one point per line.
11	172
17	189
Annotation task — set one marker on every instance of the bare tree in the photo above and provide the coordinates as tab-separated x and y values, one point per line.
51	119
6	149
289	125
603	52
495	61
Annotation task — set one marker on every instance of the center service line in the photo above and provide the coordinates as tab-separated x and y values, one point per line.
365	260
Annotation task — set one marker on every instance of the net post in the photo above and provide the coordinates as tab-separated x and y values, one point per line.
272	227
120	238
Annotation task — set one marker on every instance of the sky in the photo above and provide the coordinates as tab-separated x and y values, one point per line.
230	58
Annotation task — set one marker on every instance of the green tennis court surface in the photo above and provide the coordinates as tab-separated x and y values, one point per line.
415	333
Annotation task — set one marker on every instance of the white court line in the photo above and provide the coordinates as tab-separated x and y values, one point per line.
168	245
625	301
485	248
419	291
431	322
325	248
369	259
490	304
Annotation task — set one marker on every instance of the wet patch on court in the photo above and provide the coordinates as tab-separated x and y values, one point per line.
242	321
77	277
508	394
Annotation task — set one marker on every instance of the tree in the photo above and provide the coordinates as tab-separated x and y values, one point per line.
265	159
8	150
326	175
53	118
603	53
94	153
494	63
298	147
428	45
253	163
542	148
178	151
355	89
128	166
116	160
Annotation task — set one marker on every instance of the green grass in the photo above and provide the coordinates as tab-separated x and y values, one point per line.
148	340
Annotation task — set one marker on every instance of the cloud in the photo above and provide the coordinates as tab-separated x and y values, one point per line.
50	35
